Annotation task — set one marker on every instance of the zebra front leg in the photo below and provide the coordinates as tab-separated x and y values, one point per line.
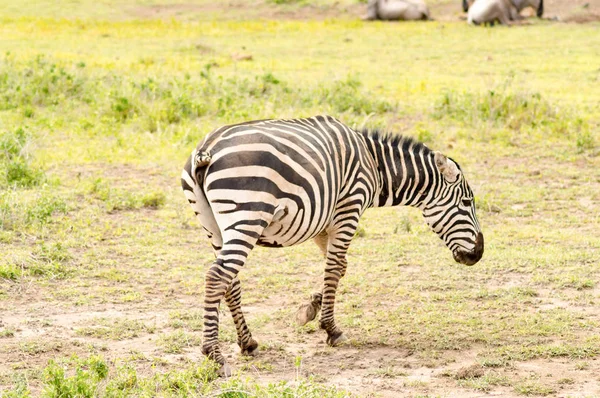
233	297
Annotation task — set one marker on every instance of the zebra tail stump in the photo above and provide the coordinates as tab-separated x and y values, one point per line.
279	183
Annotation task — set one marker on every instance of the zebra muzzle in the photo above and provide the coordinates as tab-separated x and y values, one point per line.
470	257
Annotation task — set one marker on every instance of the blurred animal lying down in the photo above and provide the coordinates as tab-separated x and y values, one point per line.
502	11
397	10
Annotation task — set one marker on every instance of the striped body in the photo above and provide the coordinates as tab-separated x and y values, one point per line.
282	182
300	171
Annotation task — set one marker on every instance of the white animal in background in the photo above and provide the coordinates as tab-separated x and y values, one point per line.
537	5
397	10
503	11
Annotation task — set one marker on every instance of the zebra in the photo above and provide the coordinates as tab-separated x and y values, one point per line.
281	182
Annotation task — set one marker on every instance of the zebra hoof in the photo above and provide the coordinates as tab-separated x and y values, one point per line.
224	371
305	314
336	340
250	349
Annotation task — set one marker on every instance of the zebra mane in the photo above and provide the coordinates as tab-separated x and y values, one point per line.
400	140
395	140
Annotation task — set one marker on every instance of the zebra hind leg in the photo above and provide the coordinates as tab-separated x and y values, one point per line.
219	278
308	312
233	297
215	287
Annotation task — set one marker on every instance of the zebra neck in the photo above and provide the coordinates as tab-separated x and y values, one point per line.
405	169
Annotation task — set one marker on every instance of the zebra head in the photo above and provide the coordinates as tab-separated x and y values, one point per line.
450	212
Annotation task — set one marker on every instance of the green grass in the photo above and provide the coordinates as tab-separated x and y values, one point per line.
7	333
95	376
175	342
533	387
14	158
119	200
486	383
100	104
191	320
115	329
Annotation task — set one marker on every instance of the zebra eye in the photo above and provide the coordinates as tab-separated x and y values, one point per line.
467	202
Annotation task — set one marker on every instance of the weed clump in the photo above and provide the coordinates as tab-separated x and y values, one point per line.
533	387
154	200
38	211
502	107
345	96
49	261
39	82
20	388
43	209
152	104
117	199
470	372
281	2
84	383
175	342
17	170
10	271
505	108
585	141
94	376
116	329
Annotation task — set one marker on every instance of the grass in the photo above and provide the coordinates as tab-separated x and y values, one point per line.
175	342
119	200
519	112
387	372
14	158
533	387
115	329
191	320
487	382
99	111
7	333
95	376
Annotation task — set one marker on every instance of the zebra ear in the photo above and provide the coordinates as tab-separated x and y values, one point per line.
446	166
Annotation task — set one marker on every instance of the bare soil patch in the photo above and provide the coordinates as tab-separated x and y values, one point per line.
245	9
567	10
576	11
44	331
168	10
582	17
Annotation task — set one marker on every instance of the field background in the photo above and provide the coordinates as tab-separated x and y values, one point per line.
102	262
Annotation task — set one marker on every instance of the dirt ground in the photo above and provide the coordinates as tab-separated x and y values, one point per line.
376	371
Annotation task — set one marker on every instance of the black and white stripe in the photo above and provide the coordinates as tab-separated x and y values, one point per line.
281	182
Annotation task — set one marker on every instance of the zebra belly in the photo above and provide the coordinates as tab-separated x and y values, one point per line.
288	221
289	227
